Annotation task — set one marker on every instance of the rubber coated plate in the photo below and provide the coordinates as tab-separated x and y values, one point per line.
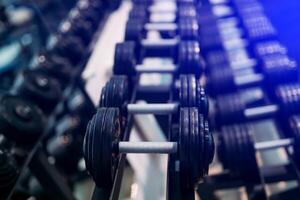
183	94
125	58
40	88
183	146
192	93
202	100
188	29
134	30
20	120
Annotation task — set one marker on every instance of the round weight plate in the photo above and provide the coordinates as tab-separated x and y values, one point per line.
201	145
183	94
194	148
20	120
134	30
183	147
192	93
40	88
189	59
125	58
188	29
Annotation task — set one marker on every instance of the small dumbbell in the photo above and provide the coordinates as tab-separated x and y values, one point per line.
185	29
244	57
276	69
116	94
40	88
8	173
185	53
157	13
20	120
229	38
238	140
231	109
102	146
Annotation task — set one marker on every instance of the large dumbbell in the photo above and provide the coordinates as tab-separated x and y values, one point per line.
20	120
116	94
238	140
231	109
40	88
276	69
185	53
102	146
186	29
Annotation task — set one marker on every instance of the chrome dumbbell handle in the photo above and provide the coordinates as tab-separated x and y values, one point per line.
148	147
156	108
169	68
245	80
273	144
159	43
161	26
269	110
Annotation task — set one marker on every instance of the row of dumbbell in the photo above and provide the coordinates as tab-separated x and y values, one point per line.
249	61
239	140
193	145
22	122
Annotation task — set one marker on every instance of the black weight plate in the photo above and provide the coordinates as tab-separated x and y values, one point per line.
189	59
192	93
183	146
114	130
188	29
40	88
134	30
20	120
125	58
183	94
194	148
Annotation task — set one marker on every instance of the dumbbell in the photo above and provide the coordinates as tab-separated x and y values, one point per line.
55	66
20	121
69	47
231	109
147	14
238	140
244	57
185	29
185	53
8	173
78	27
116	94
102	146
40	88
275	69
67	140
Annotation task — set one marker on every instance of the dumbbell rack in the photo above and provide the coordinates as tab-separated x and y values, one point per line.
36	159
